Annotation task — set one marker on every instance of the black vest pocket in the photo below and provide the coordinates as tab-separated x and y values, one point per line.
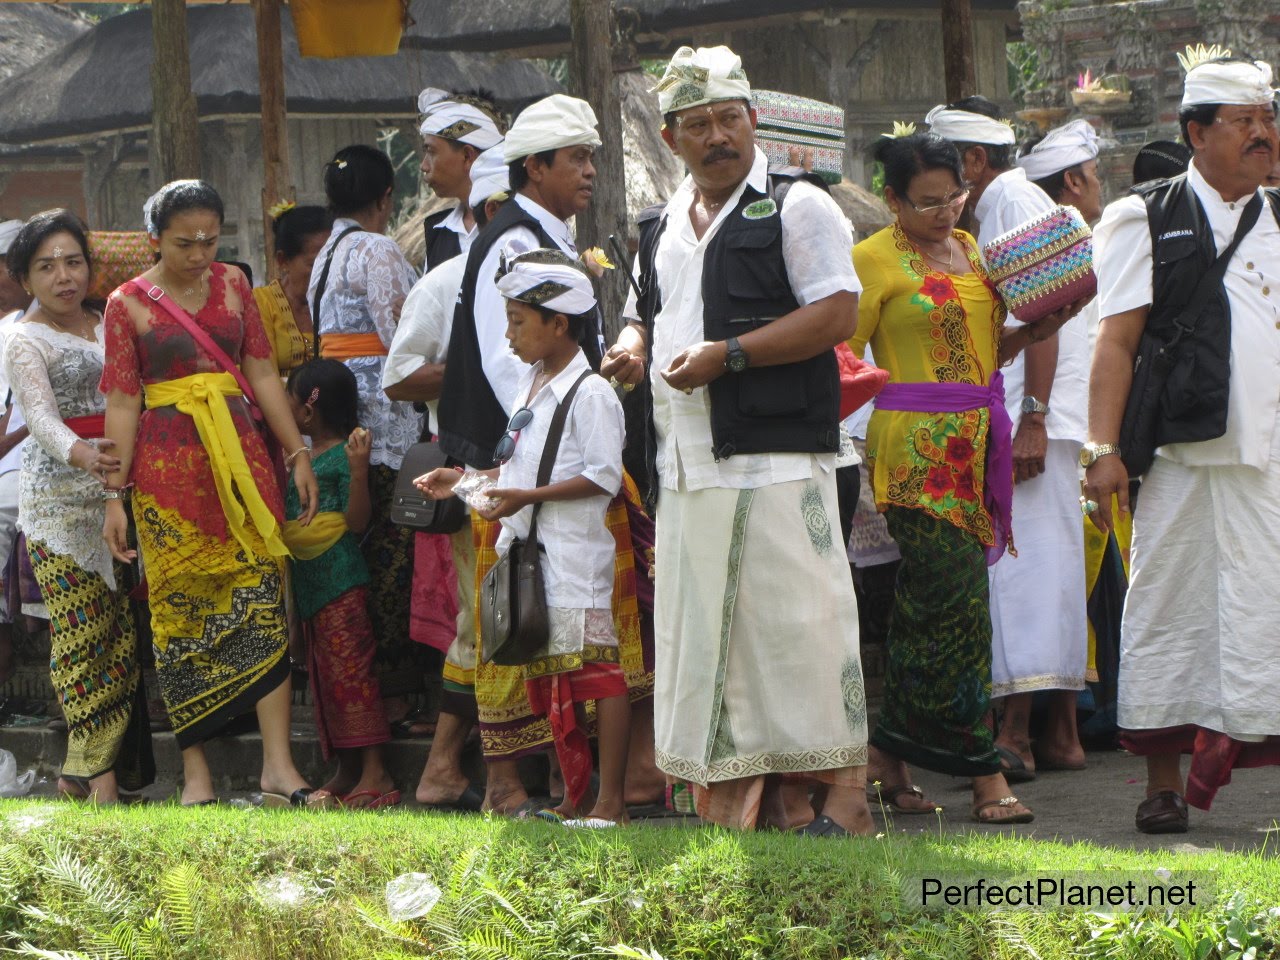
772	391
754	268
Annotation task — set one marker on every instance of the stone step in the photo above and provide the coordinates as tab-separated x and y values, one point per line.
236	762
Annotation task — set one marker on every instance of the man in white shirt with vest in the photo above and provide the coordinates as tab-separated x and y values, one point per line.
1199	659
758	672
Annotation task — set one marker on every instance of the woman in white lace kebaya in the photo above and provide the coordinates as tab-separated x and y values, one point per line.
359	307
53	361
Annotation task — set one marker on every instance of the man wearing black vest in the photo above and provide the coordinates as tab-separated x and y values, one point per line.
1199	659
747	284
456	129
549	151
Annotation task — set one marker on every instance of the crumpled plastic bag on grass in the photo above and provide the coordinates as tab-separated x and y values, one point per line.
411	895
12	785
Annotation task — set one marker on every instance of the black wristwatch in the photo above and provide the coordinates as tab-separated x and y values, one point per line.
735	361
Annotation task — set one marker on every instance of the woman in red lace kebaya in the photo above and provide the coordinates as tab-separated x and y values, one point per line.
205	500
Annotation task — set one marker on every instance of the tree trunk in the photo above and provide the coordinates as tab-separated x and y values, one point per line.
174	141
591	75
276	182
957	49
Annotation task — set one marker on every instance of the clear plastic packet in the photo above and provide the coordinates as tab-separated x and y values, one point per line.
847	455
411	895
473	489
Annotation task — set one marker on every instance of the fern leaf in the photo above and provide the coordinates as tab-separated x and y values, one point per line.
178	886
25	949
86	884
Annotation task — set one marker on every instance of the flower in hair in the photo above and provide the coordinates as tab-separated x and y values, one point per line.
596	261
340	164
1200	54
900	130
280	209
315	395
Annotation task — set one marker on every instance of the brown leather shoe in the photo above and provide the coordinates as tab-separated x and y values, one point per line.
1163	812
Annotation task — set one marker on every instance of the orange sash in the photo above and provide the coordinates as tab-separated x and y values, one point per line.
345	346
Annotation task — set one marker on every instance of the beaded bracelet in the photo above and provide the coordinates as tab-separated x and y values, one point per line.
288	460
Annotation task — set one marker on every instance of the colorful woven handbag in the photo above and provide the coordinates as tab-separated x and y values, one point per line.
784	121
1044	264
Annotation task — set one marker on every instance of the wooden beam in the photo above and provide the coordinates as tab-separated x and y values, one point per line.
174	140
276	182
592	78
957	49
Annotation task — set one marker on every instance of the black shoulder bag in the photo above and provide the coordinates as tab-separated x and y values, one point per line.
320	288
1144	412
513	596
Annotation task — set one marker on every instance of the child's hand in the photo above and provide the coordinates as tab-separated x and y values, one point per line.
438	484
359	444
505	503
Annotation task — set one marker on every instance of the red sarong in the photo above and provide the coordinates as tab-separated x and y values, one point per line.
340	651
556	697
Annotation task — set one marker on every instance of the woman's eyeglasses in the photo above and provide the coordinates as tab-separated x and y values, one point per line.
952	200
507	445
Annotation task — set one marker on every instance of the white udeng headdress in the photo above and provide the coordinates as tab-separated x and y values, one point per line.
1211	79
546	278
706	75
551	123
1062	148
963	126
8	233
489	176
454	117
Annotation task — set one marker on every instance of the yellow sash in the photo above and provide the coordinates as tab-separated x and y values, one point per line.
202	396
325	529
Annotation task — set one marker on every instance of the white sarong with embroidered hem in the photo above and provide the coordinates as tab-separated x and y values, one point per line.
1198	639
756	628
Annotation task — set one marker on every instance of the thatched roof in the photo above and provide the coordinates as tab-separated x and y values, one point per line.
31	31
542	26
101	81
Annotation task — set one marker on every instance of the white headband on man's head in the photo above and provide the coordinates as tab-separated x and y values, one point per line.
546	278
1213	79
551	123
454	117
964	126
8	233
489	176
697	77
1061	149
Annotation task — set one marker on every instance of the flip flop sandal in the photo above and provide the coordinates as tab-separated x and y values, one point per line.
1025	817
1163	812
470	800
413	726
306	798
1011	765
822	826
377	801
888	796
591	823
1043	763
535	809
211	802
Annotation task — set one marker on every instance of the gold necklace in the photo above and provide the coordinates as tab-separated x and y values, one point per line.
82	333
191	292
951	255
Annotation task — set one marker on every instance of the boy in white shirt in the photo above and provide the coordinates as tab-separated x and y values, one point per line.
548	301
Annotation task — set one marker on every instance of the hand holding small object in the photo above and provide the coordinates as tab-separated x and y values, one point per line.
438	484
90	457
621	366
505	503
359	446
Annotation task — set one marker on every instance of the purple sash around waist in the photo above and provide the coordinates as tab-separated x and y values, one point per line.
997	493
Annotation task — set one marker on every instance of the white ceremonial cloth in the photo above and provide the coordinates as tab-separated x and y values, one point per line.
552	123
1039	623
502	368
1198	641
1122	252
1009	201
756	634
817	242
1061	149
426	322
578	565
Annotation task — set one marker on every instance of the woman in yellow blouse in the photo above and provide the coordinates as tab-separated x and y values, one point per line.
299	233
938	456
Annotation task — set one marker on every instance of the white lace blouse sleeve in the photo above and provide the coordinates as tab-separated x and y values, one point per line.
26	368
388	278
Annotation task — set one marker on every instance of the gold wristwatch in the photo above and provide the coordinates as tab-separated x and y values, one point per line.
1090	452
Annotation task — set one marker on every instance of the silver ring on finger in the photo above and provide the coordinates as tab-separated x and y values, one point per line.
1088	506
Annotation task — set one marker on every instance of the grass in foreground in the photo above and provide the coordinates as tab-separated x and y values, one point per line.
166	883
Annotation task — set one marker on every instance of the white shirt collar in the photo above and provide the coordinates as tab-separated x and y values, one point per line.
556	228
757	178
455	221
562	381
995	189
1212	200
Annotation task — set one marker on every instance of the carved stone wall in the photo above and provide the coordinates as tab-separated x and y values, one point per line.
1140	39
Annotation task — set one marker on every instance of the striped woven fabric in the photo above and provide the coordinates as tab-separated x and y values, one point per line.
784	120
1044	264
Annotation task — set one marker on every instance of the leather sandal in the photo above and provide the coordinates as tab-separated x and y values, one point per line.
1025	817
889	795
1163	812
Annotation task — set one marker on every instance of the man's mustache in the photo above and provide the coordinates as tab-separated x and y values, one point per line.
1264	144
720	153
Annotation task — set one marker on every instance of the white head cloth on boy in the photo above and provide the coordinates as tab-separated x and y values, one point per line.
455	117
489	176
546	278
1061	149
